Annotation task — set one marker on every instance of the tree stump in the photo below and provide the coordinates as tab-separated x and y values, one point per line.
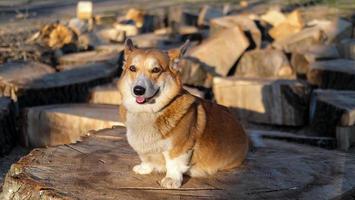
31	86
268	101
7	125
100	167
11	76
333	74
331	108
65	123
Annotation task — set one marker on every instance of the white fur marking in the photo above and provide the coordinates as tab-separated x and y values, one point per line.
143	168
175	168
142	135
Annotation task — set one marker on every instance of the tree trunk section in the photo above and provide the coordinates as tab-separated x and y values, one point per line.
100	167
64	124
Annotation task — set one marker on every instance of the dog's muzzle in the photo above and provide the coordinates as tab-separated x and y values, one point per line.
144	89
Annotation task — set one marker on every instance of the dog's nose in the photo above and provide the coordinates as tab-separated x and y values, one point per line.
138	90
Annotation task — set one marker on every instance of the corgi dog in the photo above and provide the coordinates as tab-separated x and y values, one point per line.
171	130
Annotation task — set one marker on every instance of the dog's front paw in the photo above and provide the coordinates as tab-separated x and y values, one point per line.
170	183
143	168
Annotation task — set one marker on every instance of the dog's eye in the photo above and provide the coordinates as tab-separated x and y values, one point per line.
156	70
132	68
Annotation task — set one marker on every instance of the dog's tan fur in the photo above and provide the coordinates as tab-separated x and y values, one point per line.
178	133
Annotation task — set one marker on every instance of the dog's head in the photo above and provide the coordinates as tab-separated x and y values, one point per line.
150	77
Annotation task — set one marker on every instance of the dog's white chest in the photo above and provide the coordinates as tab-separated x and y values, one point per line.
142	134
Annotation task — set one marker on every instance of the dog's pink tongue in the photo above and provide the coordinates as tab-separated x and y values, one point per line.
140	99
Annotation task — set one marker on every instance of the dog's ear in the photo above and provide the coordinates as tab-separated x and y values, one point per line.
176	54
129	47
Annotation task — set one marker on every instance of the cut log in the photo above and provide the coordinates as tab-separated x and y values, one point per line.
195	73
206	14
66	123
105	18
331	108
105	94
190	18
89	41
244	23
100	167
175	16
335	30
345	137
333	74
89	57
301	60
263	63
112	35
181	30
7	125
291	25
301	41
136	15
128	29
273	17
269	101
31	70
84	10
347	48
78	26
46	87
60	36
222	50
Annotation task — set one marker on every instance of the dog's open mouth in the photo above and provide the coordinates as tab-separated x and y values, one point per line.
142	99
